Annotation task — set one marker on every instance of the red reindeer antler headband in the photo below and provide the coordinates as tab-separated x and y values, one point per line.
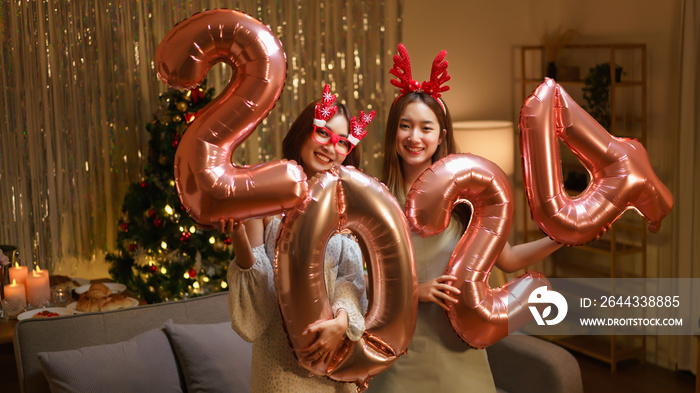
325	109
438	76
357	127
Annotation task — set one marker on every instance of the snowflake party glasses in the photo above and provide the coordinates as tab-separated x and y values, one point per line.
325	136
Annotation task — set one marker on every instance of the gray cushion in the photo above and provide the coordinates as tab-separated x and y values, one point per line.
527	364
145	363
213	358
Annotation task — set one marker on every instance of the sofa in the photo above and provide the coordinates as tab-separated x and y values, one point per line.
189	346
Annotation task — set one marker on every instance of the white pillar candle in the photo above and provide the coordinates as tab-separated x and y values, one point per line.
38	291
16	291
19	274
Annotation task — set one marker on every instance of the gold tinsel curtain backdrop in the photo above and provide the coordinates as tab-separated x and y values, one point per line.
79	86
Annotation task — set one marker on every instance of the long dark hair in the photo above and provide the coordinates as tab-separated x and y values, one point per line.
392	166
301	130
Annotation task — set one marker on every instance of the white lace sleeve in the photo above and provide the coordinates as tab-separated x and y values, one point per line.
349	294
252	298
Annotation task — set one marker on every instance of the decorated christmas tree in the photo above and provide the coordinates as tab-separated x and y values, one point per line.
161	253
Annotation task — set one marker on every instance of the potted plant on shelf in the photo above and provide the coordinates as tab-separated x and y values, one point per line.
553	43
596	92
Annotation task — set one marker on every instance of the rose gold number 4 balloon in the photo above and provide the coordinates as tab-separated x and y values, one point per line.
622	176
210	187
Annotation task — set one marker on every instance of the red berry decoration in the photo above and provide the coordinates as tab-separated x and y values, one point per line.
192	273
157	222
125	227
152	268
46	314
228	241
185	237
144	184
133	247
151	213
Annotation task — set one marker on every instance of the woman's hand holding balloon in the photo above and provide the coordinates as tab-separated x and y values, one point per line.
438	291
243	238
230	226
330	334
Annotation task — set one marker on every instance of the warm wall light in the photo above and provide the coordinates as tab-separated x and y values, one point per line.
491	139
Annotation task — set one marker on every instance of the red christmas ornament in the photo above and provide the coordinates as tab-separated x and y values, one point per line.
151	213
125	227
133	247
196	94
228	241
192	273
144	184
157	222
175	142
152	268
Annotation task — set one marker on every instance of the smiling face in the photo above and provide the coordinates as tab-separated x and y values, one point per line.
418	136
316	157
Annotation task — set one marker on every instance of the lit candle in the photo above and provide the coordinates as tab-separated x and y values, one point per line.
16	291
18	273
38	291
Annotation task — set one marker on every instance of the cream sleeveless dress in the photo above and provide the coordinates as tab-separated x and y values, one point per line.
437	360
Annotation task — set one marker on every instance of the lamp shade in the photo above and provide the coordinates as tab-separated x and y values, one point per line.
491	139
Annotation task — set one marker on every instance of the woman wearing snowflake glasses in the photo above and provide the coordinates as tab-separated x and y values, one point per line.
321	136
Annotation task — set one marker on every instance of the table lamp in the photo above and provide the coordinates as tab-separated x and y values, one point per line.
491	139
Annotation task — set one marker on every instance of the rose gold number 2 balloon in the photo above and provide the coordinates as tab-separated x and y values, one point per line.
621	175
210	187
483	314
345	198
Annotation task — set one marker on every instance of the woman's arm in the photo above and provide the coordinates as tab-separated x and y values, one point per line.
349	294
346	299
244	237
523	255
251	296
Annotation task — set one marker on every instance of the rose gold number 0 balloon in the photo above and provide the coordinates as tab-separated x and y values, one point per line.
622	176
210	187
483	314
345	198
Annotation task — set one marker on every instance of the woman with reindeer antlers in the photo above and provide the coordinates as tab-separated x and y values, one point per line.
321	136
418	133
